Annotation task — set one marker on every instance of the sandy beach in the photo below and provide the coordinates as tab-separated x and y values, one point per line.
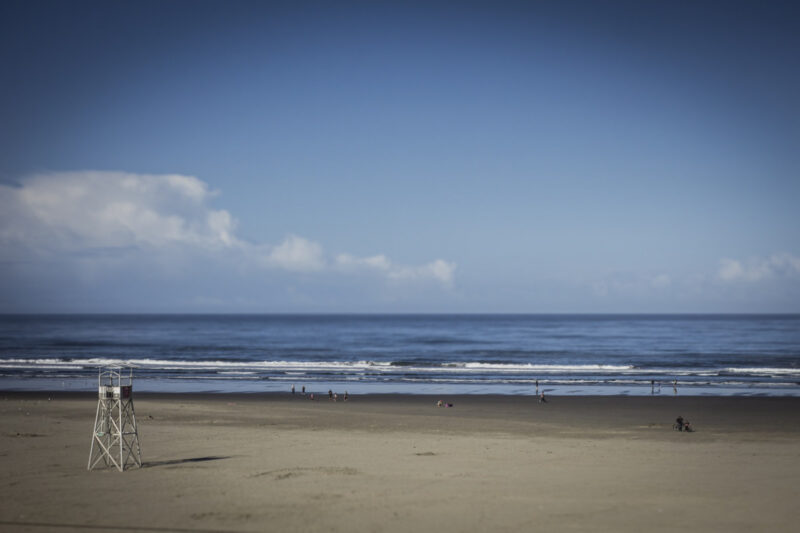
398	463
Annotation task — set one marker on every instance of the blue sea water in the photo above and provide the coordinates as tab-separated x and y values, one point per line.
417	354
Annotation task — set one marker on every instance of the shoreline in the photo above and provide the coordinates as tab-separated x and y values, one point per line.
189	386
298	395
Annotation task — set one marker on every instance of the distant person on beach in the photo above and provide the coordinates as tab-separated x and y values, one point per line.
652	386
346	396
675	387
292	388
335	397
679	423
330	394
304	389
542	399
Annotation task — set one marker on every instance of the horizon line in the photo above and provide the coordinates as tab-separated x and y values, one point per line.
403	313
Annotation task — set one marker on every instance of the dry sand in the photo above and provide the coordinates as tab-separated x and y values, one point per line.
399	463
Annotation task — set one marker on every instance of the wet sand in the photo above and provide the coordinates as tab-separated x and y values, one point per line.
397	463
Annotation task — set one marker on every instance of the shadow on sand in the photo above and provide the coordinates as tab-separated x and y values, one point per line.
153	464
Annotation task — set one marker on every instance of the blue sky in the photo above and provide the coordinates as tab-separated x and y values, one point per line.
399	157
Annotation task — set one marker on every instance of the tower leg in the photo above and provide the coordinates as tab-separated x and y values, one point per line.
94	434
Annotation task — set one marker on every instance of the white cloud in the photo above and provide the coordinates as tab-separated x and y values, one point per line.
730	270
438	270
80	212
75	210
297	254
758	269
222	225
349	262
191	187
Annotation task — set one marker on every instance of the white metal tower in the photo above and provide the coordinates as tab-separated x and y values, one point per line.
115	439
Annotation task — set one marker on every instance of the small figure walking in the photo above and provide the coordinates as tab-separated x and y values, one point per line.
537	386
292	388
542	399
330	394
304	389
675	387
652	386
346	396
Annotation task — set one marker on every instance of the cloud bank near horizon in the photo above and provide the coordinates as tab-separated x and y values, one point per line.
98	240
757	269
63	214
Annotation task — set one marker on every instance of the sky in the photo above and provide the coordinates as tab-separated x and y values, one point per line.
399	157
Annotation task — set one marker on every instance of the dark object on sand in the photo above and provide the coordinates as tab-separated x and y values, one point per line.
682	424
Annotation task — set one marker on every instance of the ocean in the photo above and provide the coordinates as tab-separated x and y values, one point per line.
413	354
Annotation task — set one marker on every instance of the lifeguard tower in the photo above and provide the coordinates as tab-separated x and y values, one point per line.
115	439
